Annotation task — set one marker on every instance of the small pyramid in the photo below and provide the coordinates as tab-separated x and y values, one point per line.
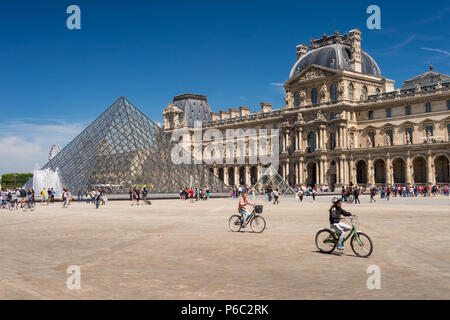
271	177
122	149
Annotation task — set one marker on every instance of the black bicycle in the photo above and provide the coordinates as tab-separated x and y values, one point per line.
256	221
29	205
13	204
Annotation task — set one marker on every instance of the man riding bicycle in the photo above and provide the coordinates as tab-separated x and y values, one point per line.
243	202
336	215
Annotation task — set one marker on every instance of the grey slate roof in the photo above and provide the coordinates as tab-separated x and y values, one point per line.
195	108
335	56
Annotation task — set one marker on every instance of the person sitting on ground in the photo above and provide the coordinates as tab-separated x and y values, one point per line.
243	202
336	215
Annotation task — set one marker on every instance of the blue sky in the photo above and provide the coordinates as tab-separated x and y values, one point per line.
55	81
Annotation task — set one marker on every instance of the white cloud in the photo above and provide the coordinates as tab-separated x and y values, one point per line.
25	145
437	50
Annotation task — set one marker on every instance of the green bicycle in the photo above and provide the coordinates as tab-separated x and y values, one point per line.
327	240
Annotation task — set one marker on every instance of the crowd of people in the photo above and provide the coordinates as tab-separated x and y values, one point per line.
137	194
194	194
16	197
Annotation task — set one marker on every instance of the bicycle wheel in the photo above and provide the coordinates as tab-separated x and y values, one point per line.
25	208
325	241
10	206
258	224
32	206
235	223
361	245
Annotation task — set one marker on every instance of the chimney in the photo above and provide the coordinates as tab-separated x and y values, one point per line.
266	107
355	61
302	49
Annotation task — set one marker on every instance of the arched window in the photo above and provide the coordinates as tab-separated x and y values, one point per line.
333	92
314	95
364	93
296	99
350	91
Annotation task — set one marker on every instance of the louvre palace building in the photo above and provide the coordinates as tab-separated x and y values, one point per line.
341	122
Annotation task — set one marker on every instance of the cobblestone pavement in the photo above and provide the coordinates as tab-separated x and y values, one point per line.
177	250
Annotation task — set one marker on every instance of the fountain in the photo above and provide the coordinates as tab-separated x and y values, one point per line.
47	178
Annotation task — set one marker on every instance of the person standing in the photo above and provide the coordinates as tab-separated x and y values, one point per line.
372	195
276	195
356	195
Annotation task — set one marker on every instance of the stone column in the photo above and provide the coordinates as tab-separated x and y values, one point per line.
408	170
325	169
225	175
341	171
247	175
318	172
300	138
236	175
370	172
286	138
430	173
297	179
388	170
338	171
287	171
345	142
300	171
321	180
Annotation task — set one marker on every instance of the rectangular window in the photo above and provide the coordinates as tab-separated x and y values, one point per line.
370	114
429	130
448	104
388	112
407	110
333	141
428	107
332	116
448	131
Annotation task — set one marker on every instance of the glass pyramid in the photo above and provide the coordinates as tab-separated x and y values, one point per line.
122	149
271	177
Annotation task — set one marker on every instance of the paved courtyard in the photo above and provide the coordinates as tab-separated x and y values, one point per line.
177	250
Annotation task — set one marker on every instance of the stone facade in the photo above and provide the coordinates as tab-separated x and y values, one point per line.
341	125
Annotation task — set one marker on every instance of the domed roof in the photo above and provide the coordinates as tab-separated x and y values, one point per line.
335	56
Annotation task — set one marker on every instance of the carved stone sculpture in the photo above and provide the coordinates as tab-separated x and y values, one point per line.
369	141
387	140
408	138
320	116
289	100
323	92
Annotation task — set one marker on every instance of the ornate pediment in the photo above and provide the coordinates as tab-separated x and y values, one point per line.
314	72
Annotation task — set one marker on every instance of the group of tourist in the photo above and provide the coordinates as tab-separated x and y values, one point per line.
137	194
16	197
194	194
410	191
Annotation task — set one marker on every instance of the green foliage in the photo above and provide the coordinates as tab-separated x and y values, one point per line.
13	180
